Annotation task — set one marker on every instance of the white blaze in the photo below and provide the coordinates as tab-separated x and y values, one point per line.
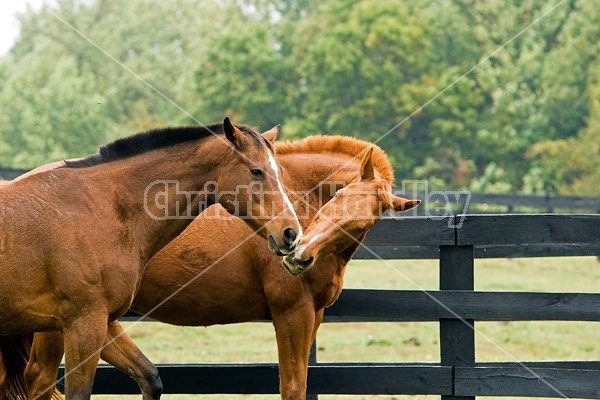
300	251
273	164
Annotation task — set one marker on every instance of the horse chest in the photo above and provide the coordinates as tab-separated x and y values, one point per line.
329	292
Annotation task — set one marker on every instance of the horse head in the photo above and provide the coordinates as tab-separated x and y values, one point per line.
252	189
345	219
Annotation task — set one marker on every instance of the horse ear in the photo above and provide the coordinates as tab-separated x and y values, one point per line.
232	133
366	165
402	204
271	134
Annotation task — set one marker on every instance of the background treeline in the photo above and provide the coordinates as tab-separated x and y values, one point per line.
526	120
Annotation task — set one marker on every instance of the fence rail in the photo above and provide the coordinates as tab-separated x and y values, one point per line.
456	241
441	202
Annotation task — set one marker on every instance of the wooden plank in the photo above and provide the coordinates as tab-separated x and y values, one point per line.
397	252
368	378
9	174
379	305
412	231
260	378
517	380
538	201
526	306
574	202
573	379
373	305
370	305
592	365
400	252
536	250
503	229
339	378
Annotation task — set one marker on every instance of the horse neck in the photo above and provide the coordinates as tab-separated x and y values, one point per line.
131	188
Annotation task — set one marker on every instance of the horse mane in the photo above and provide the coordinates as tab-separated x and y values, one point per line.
338	144
156	139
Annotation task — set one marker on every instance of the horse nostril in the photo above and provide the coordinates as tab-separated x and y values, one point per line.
304	264
289	236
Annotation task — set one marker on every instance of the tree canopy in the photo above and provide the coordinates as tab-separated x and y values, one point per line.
466	94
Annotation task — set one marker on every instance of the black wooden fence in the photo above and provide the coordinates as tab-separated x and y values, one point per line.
456	241
448	202
9	173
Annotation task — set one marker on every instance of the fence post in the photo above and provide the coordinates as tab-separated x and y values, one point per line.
457	337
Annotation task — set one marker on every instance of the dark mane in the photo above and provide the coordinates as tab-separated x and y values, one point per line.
156	139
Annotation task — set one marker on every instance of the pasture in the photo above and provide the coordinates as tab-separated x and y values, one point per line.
394	341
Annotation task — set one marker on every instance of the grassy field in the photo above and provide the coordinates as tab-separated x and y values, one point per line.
502	341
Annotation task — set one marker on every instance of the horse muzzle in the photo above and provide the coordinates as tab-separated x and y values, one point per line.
296	265
288	243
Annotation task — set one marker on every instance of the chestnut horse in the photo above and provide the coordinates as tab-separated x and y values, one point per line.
198	280
345	220
74	238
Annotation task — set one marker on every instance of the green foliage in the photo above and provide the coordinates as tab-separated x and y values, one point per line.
482	95
62	95
224	85
572	165
41	107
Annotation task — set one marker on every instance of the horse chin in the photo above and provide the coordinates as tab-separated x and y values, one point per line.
290	266
274	247
279	250
295	266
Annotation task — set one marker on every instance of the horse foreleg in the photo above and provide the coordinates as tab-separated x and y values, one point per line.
120	351
294	331
83	340
318	320
40	374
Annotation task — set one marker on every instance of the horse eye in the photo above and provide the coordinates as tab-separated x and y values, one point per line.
257	173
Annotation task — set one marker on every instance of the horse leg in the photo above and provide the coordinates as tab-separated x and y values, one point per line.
294	329
83	340
120	351
40	374
318	320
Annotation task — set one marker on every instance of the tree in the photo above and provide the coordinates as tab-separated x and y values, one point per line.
244	74
64	94
488	96
572	166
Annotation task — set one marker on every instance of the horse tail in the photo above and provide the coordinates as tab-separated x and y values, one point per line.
15	351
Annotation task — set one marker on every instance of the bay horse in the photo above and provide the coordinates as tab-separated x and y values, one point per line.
74	238
217	286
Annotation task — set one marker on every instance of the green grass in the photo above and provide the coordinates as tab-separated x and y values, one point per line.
414	342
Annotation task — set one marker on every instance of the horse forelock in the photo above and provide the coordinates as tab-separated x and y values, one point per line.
156	139
337	144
